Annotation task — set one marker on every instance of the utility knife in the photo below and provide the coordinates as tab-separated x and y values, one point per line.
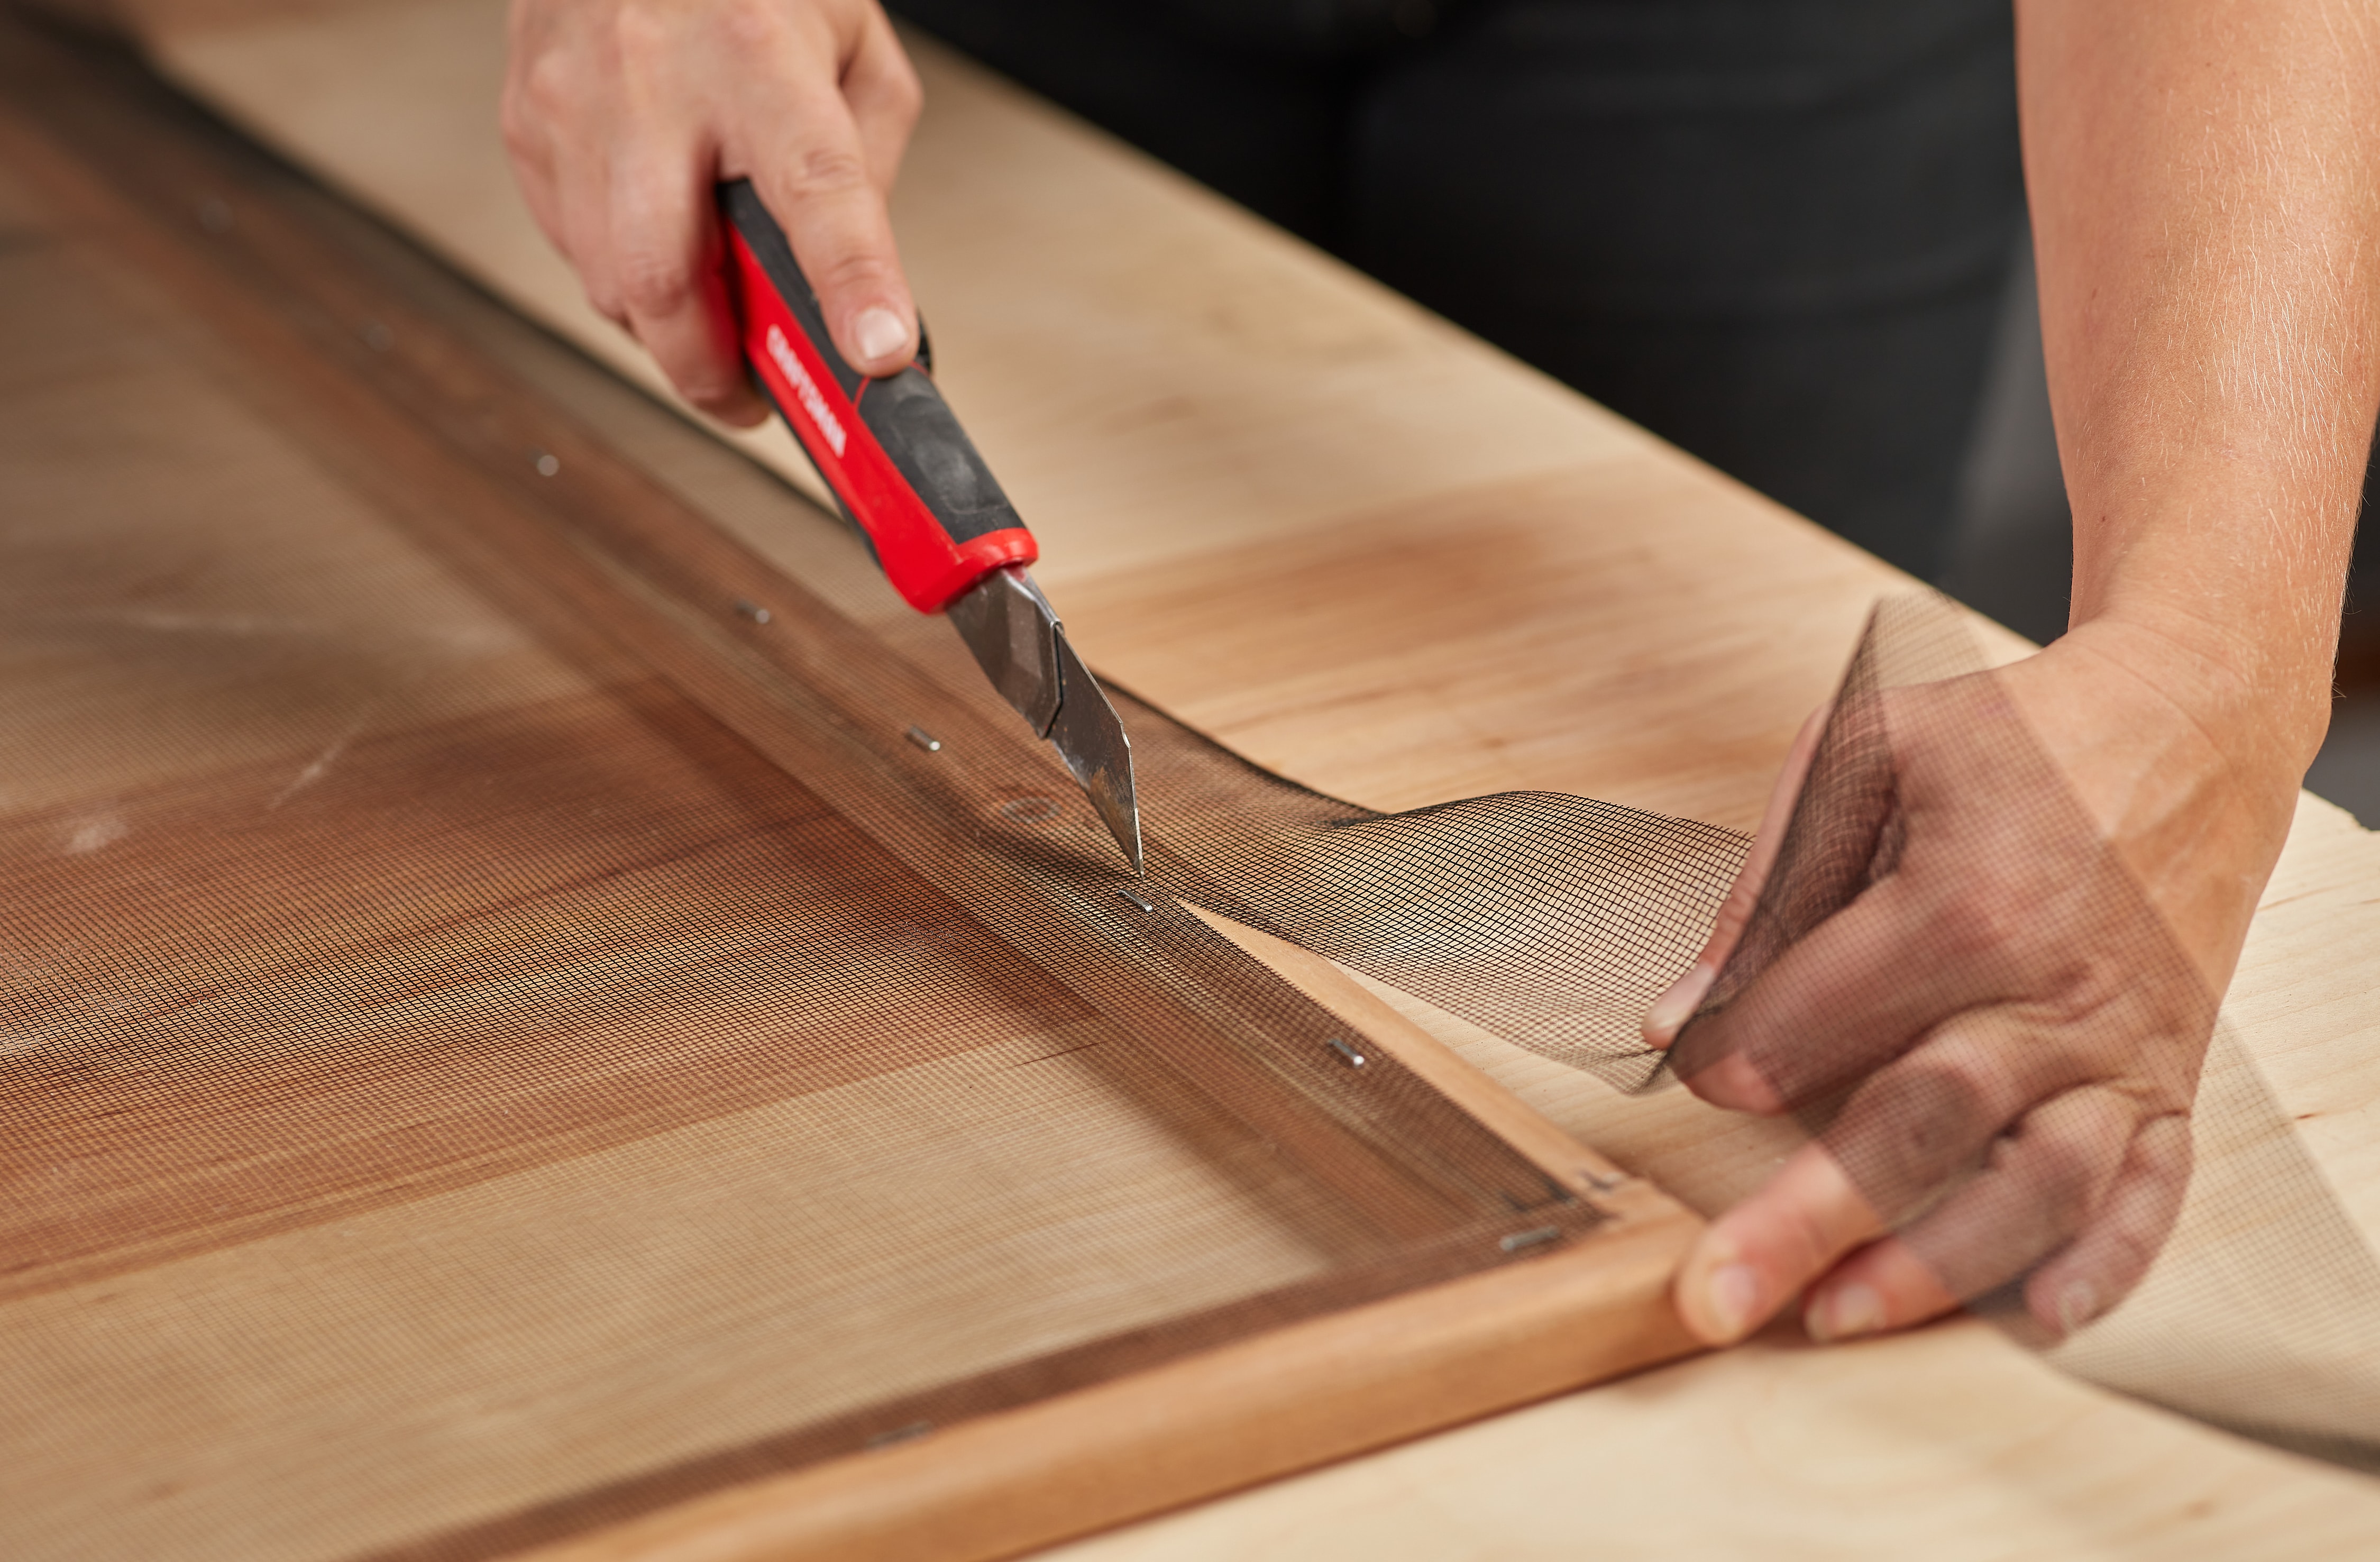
905	474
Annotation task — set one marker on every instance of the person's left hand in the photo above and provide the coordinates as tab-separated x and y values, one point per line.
2012	1010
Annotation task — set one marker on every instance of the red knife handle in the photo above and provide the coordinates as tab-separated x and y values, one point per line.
900	467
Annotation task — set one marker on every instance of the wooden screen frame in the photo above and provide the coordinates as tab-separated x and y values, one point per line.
1277	1403
1290	1398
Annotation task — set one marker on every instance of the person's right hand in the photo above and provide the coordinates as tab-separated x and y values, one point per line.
622	115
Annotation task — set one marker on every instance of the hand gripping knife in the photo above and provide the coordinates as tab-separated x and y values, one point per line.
905	474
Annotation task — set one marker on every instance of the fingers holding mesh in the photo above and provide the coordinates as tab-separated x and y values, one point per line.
1835	1007
1995	1141
1940	950
2074	1202
1676	1006
2042	1184
2125	1234
1936	1115
1754	1259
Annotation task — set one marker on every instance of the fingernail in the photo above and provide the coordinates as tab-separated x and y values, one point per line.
1731	1294
1845	1312
2078	1303
1673	1008
879	334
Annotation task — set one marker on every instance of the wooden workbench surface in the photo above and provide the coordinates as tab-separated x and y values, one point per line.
1370	552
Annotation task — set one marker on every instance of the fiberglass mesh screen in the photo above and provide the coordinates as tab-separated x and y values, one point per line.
503	1032
453	1091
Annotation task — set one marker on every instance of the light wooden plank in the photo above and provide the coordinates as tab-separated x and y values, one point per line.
235	1354
1400	567
1283	1401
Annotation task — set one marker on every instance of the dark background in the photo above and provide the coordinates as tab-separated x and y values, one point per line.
1786	235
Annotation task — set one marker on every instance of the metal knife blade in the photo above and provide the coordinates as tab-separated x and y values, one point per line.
1020	644
905	473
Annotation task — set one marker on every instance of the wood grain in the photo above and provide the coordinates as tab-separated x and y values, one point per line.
1376	1010
516	1118
1386	560
1284	1401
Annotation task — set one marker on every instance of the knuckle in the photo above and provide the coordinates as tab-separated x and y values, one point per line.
1913	1126
545	88
2065	1168
853	265
2067	1155
638	30
752	25
1937	1100
2075	996
603	298
711	391
655	282
1977	924
1806	1239
904	95
855	270
828	171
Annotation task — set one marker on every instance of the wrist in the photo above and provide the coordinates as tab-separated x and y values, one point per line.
2259	692
2186	761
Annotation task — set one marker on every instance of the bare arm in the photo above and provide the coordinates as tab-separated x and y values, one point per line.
2205	190
2205	185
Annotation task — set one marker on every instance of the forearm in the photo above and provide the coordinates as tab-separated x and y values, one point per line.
2205	179
2013	1044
